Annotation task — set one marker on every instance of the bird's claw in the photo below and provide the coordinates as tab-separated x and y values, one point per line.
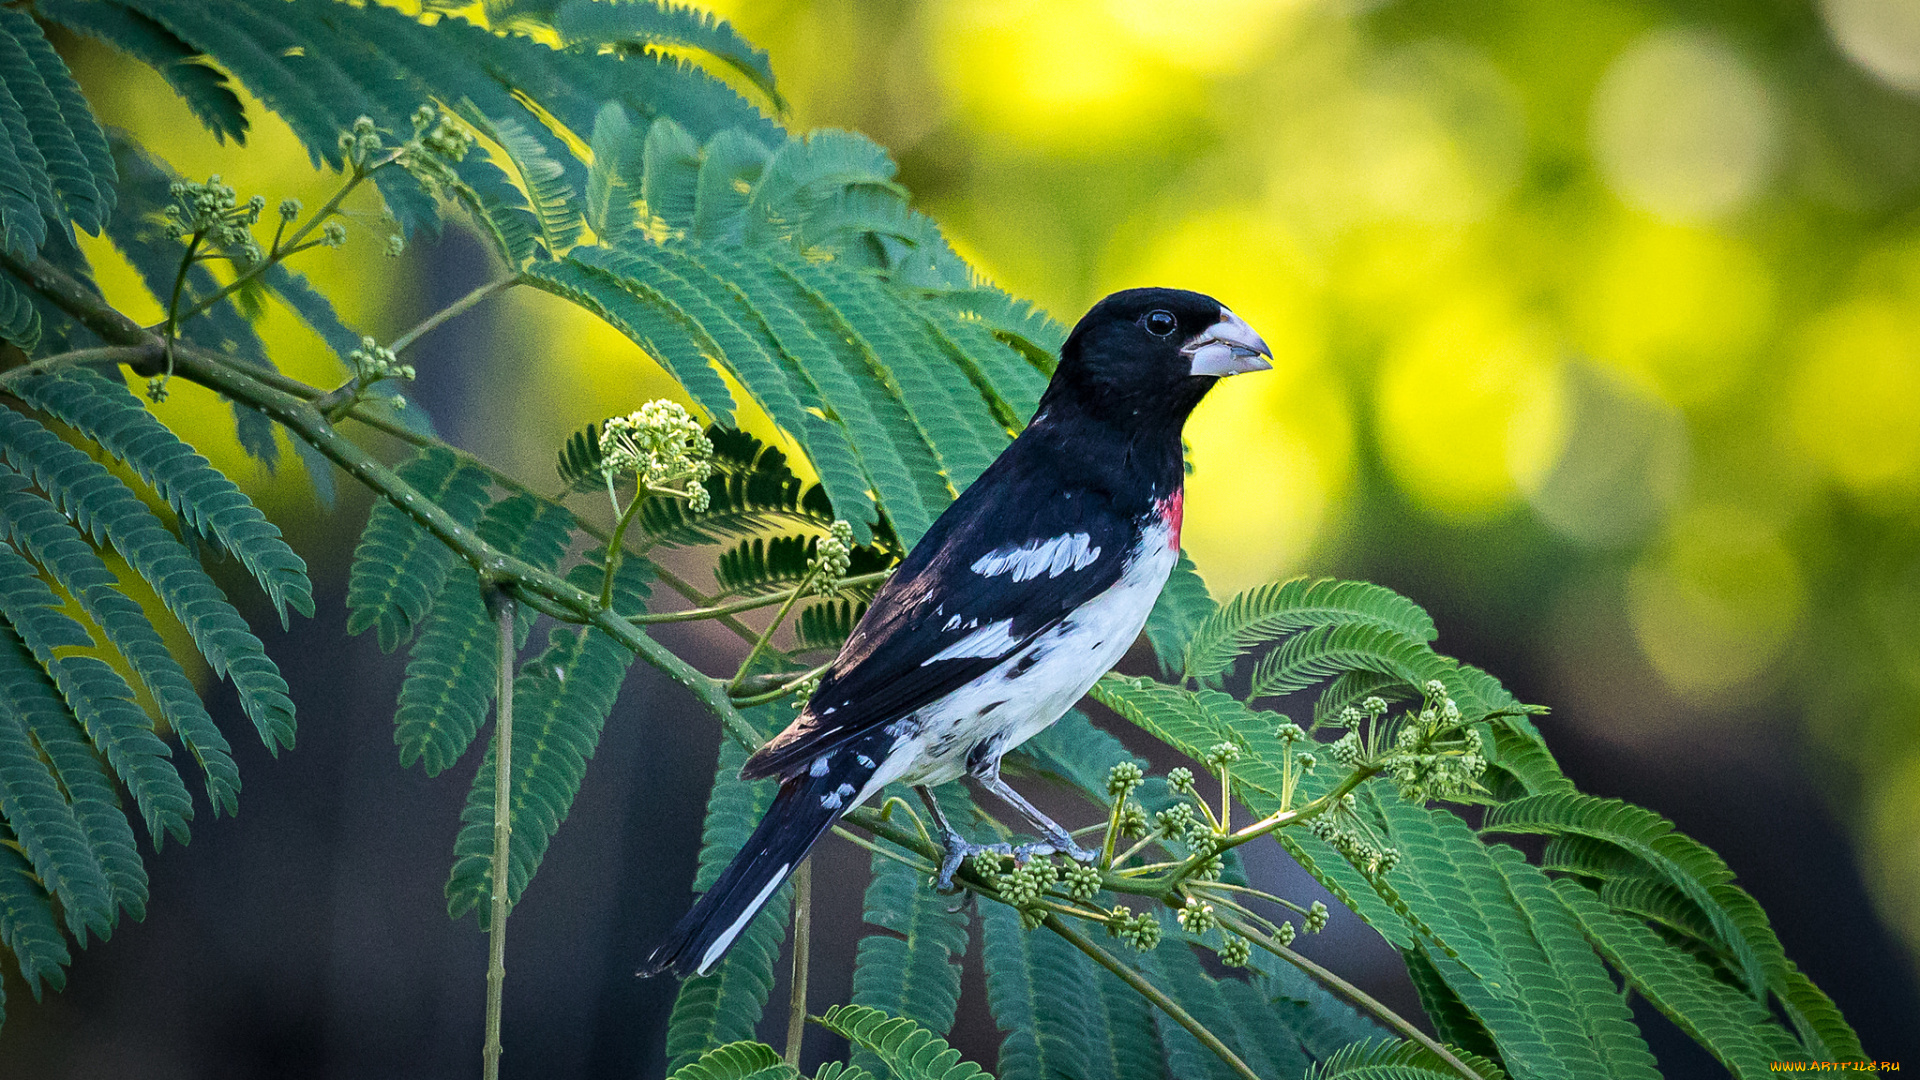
1057	845
959	850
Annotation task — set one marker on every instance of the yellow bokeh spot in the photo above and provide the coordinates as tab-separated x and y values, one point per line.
1469	408
1715	604
1272	451
1063	74
1679	308
1210	36
1855	402
1893	821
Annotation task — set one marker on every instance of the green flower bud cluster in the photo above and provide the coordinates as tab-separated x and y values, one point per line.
1027	884
157	389
1180	781
1211	867
1286	934
831	558
213	211
1307	761
1197	917
1371	858
289	209
439	142
1434	756
1175	821
1141	931
660	443
1122	779
361	143
1290	732
333	234
803	693
1222	754
1317	916
396	244
1133	821
373	362
1235	951
1082	881
1347	750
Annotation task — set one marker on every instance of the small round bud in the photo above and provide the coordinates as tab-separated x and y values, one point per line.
1196	917
1235	951
1317	916
1082	882
1290	732
157	389
1122	779
1222	754
333	233
1133	821
1180	781
289	209
1286	933
395	245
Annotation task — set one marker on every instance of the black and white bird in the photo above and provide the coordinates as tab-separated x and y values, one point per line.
1024	592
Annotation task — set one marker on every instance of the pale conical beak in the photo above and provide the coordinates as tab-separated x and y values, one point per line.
1228	347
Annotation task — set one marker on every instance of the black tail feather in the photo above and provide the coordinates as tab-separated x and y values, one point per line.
801	813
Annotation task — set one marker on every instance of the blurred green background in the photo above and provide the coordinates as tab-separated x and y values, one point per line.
1597	326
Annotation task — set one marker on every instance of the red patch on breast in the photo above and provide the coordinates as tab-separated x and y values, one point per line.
1172	511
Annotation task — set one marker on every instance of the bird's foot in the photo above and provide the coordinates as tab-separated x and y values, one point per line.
1061	844
959	850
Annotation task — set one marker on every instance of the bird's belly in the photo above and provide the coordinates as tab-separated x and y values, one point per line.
1033	687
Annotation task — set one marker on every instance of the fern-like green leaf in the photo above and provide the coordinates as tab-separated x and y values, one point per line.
52	541
27	926
79	166
729	166
1387	1059
29	693
612	195
44	825
561	700
828	624
202	86
1685	863
1726	1021
398	567
1269	611
454	668
26	192
104	411
19	318
913	969
100	504
836	1070
1036	988
1325	652
1455	1023
637	308
664	25
725	1005
742	1060
542	174
909	1050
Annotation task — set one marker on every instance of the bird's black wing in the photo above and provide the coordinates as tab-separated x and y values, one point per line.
1007	561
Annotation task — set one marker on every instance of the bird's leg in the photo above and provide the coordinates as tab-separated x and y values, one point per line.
1056	840
957	846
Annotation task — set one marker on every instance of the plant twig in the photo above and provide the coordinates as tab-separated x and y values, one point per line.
1153	994
802	927
451	311
502	833
1352	993
130	355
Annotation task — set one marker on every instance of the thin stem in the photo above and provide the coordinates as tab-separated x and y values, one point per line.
1352	993
279	253
130	355
886	853
457	308
685	588
760	646
784	689
616	548
1152	993
174	318
802	925
696	614
502	833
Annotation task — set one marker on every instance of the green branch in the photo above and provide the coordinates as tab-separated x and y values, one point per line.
502	835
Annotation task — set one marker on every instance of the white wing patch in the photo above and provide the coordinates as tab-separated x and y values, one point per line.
1073	551
993	639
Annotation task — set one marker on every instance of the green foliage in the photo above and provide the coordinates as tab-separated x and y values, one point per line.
1388	1059
736	1061
1270	611
398	567
909	1050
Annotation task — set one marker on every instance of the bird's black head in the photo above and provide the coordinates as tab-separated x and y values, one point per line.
1143	358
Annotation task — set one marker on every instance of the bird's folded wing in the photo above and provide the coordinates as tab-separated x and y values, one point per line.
986	580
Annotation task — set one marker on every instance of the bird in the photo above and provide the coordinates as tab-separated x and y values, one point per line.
1027	589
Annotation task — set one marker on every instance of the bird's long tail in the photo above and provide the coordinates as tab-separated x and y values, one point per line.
801	813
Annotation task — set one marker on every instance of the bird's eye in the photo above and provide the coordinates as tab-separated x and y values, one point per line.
1160	323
